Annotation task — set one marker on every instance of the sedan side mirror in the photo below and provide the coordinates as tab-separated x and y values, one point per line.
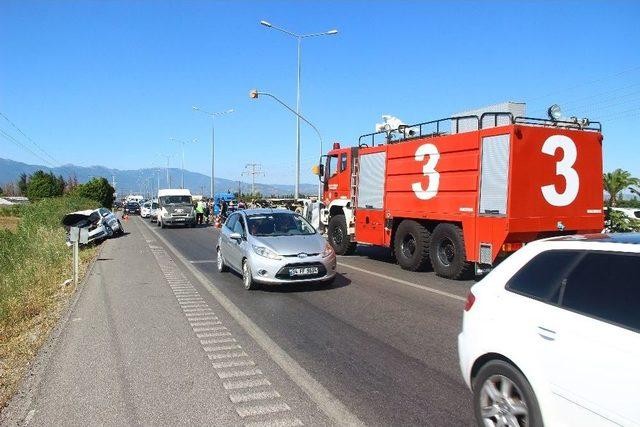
235	236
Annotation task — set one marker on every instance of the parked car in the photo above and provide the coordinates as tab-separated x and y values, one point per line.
145	210
552	335
274	247
101	223
132	208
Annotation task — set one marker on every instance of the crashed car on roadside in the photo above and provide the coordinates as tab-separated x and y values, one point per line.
102	223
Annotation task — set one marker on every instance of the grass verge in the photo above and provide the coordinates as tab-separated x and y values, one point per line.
34	263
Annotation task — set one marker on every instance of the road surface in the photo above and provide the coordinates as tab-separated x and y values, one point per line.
159	337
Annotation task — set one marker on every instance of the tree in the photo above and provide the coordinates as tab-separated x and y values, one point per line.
22	184
617	181
97	189
42	184
72	183
10	189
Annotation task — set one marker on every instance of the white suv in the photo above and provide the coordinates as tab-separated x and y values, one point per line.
552	335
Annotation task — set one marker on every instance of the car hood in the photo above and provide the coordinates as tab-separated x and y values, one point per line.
81	218
292	245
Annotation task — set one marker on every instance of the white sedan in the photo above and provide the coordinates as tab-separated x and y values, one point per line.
552	335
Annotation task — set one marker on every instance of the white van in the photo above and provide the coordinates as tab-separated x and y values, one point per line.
175	206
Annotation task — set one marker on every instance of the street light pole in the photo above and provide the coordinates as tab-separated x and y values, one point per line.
183	142
213	139
254	95
299	38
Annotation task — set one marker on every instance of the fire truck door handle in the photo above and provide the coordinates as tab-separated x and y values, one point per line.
366	220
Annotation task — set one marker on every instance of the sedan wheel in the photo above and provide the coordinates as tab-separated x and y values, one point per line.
247	277
220	262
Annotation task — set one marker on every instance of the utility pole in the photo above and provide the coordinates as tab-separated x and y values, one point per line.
253	169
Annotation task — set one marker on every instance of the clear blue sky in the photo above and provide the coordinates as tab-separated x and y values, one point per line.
97	82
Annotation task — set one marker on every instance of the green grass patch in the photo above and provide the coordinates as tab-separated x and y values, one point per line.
34	262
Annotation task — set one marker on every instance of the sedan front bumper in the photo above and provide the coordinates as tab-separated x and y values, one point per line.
276	272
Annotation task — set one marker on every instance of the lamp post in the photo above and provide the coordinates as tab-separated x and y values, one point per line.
213	138
183	143
299	38
167	156
255	93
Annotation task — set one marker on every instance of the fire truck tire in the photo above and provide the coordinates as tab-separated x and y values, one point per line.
448	254
338	237
411	245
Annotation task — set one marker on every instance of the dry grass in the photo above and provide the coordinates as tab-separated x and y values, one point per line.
34	263
9	223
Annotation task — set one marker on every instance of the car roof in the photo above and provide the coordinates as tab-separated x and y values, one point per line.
263	211
628	238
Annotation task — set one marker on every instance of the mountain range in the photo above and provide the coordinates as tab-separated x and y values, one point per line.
145	181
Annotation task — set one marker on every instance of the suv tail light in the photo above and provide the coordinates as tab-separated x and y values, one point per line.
470	300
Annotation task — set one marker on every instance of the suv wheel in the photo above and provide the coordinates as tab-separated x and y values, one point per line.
503	396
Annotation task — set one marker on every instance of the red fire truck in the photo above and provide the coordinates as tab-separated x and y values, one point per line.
464	191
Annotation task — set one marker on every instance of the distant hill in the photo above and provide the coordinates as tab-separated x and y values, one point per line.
146	180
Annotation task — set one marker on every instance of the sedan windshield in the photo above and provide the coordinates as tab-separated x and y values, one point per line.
176	200
279	224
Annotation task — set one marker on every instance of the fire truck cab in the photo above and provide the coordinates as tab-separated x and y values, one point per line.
463	191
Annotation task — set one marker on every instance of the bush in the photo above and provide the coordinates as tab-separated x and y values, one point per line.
97	189
41	185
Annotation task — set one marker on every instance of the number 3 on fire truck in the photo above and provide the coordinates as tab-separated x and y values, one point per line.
564	167
428	170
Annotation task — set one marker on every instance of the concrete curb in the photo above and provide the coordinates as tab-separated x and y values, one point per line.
17	412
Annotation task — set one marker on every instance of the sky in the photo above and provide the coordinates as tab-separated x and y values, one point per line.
110	82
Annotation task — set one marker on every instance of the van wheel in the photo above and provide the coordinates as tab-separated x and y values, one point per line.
338	237
503	396
447	252
411	245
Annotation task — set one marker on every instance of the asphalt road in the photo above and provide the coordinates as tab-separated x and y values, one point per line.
380	339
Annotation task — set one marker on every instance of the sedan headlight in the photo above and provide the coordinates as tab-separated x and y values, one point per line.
328	251
266	252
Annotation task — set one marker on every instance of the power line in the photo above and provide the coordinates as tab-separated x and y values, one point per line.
9	137
29	139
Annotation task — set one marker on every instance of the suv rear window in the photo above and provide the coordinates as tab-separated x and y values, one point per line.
540	278
605	285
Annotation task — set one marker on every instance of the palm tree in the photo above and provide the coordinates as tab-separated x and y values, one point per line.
617	181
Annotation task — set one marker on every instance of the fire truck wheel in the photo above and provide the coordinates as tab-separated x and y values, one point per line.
338	237
448	255
411	246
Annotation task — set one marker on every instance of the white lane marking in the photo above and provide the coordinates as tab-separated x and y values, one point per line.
232	364
212	329
254	395
203	261
232	355
217	341
195	316
210	323
282	422
237	374
214	334
249	411
206	329
322	397
404	282
204	321
222	348
240	384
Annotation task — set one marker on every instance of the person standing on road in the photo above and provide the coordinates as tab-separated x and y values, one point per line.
207	203
199	212
223	210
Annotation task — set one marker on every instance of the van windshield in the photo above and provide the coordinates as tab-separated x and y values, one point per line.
175	200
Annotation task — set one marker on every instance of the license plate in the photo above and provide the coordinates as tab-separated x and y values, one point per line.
303	271
179	219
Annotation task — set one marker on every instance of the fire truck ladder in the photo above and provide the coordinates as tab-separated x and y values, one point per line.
354	183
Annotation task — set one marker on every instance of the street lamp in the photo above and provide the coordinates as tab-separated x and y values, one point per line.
167	156
213	138
255	93
183	143
299	38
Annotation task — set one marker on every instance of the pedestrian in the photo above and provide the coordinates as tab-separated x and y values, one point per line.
206	211
199	212
223	210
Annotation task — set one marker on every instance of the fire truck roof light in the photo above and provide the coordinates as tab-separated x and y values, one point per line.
554	112
336	145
